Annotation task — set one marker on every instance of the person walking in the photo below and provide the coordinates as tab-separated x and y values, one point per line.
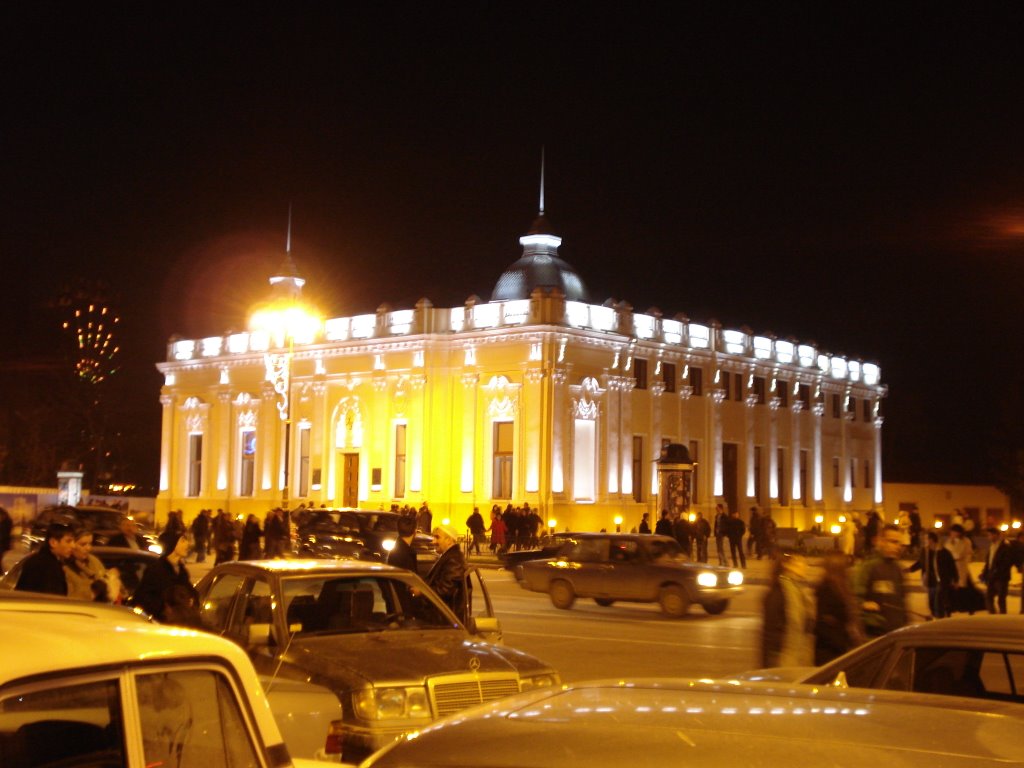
879	584
664	525
965	597
447	577
938	575
682	531
837	622
173	530
721	526
201	534
498	532
734	531
645	525
477	530
701	534
223	538
44	569
999	563
755	545
786	637
250	548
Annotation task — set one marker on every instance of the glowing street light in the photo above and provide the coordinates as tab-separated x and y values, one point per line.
618	523
284	321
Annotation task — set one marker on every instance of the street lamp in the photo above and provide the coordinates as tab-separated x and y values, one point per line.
618	523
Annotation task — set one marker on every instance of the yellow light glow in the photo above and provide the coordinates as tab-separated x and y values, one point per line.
552	522
836	529
1004	527
287	322
618	519
1015	524
938	523
842	518
819	519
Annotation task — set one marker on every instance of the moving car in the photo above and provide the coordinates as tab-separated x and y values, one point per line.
130	564
396	657
104	522
975	656
357	534
709	724
637	568
103	687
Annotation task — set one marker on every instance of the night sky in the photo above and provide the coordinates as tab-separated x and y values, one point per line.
853	178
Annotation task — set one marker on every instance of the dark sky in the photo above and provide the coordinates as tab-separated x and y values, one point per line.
852	177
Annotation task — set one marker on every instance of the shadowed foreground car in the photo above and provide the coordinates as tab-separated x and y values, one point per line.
130	565
394	655
104	522
976	656
356	534
708	724
629	567
88	685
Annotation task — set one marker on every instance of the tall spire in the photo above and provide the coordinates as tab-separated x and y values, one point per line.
542	180
287	280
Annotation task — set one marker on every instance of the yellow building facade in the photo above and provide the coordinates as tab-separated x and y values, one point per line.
534	396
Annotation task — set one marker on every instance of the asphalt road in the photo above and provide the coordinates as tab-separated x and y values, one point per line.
632	640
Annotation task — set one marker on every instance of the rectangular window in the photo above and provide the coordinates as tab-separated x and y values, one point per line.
757	472
803	478
759	389
737	390
853	473
248	468
584	460
835	471
851	407
866	403
400	461
694	485
304	436
195	464
697	381
805	395
783	488
668	375
502	479
726	380
867	473
836	408
638	468
782	391
640	372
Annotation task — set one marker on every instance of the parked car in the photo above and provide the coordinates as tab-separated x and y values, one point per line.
104	522
975	656
358	534
130	563
88	684
709	724
637	568
396	657
550	546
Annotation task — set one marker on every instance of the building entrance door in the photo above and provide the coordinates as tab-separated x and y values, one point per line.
350	480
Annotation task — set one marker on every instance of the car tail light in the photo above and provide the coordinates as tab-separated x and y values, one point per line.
335	738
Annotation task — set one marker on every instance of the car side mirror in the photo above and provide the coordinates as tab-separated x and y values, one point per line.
259	635
487	627
840	680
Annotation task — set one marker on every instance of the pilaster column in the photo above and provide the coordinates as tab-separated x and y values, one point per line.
750	422
166	441
818	409
467	459
613	444
224	441
269	441
530	411
560	429
878	497
685	393
774	404
845	450
797	406
657	390
717	398
418	430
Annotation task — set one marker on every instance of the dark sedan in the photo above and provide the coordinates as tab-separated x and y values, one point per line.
636	568
356	534
104	522
130	564
393	653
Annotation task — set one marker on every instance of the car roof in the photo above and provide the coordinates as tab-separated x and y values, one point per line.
616	536
977	630
703	723
298	567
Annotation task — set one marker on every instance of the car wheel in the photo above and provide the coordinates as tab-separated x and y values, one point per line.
604	602
561	594
716	607
674	601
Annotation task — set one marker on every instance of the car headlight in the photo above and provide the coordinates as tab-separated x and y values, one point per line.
707	579
538	681
391	703
387	545
735	578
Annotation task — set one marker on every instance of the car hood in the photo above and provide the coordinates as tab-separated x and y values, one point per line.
373	658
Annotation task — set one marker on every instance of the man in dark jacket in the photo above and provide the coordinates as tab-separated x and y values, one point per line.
44	569
996	573
161	577
664	524
447	577
734	530
129	536
402	555
201	534
938	575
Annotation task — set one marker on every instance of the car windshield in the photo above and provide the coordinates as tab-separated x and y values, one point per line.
350	522
354	604
661	550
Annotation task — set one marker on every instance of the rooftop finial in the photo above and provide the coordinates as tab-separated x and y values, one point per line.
542	180
288	242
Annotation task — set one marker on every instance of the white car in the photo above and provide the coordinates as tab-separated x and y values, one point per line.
97	686
711	724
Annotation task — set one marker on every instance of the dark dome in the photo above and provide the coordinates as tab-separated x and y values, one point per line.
539	267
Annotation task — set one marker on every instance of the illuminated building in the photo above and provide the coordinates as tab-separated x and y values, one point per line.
536	396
